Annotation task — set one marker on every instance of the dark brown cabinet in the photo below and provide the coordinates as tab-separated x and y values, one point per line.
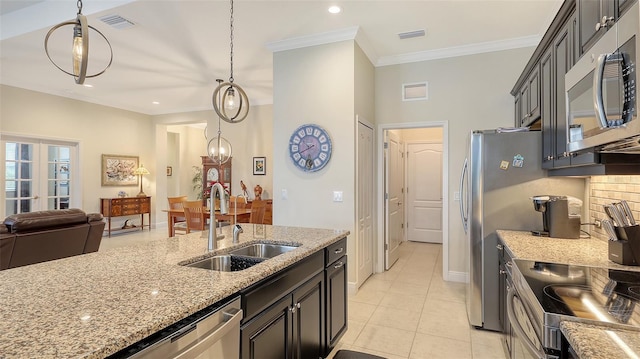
562	56
527	102
546	86
594	19
336	293
290	328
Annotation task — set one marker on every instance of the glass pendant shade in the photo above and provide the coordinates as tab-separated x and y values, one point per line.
219	150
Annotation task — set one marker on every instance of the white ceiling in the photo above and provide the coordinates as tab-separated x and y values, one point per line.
178	48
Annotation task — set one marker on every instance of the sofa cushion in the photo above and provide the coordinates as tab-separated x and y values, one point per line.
33	221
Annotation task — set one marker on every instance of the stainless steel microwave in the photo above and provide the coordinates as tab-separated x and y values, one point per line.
601	88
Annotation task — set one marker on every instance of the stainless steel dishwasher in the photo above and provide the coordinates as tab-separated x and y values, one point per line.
213	332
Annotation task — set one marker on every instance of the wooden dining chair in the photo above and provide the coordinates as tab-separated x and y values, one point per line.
194	213
176	203
258	208
238	202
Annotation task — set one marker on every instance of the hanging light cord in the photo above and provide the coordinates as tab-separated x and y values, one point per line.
79	7
231	46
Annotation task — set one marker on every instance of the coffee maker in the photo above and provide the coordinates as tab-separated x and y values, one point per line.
560	215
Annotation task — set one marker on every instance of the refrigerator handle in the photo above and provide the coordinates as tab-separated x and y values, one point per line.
463	210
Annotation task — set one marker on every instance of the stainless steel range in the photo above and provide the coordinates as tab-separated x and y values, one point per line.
542	294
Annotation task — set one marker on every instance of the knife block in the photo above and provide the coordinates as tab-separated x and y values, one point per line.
626	250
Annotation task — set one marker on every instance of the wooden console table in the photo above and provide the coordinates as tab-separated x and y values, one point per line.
126	206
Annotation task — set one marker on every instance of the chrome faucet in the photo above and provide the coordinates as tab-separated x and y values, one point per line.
237	229
213	237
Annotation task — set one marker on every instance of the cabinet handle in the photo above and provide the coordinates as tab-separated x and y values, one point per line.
549	158
502	271
338	265
509	264
298	305
604	22
499	246
339	250
292	309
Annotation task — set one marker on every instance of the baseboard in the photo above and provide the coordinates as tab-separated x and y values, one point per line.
461	277
352	288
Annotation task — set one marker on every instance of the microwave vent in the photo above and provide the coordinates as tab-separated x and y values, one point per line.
629	145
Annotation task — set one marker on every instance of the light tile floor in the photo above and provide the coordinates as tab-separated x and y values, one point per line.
408	312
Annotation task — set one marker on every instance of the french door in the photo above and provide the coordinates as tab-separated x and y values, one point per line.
39	175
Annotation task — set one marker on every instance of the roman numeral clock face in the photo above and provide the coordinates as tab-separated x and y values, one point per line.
310	148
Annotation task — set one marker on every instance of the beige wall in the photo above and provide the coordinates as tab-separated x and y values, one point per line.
98	129
469	93
315	85
607	189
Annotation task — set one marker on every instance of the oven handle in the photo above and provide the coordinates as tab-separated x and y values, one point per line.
515	325
598	102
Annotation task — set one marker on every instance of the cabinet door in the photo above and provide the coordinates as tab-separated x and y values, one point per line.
269	335
590	13
518	110
308	319
336	280
533	98
546	93
562	61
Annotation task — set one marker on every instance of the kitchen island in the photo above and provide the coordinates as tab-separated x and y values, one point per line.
93	305
589	341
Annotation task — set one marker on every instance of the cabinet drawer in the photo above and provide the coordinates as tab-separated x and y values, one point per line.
261	295
336	251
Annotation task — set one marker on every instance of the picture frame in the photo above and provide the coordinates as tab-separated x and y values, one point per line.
259	166
169	171
118	170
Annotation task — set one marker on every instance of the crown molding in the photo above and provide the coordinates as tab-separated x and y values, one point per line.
313	40
472	49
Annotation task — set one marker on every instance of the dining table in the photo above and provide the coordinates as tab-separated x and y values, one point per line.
241	215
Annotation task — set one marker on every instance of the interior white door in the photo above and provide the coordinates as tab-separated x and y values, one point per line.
424	192
365	177
394	172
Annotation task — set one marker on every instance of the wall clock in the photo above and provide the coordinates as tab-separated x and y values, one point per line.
310	147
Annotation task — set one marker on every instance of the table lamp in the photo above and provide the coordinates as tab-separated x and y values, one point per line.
141	171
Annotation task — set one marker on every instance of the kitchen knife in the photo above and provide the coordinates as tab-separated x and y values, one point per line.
608	227
623	214
614	214
628	213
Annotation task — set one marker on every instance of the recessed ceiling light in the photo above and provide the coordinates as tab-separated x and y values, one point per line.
87	85
335	9
155	102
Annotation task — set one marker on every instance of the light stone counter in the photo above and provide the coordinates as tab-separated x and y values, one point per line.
93	305
597	342
588	341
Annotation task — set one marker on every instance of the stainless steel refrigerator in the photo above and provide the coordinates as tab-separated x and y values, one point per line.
501	173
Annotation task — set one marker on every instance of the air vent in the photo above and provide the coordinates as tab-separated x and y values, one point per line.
411	34
415	91
117	21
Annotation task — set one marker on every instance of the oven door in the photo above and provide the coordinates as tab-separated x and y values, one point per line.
525	341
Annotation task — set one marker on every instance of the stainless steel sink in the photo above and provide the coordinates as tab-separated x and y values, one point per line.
262	250
226	263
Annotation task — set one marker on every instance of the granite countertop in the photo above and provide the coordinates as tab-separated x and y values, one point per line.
92	305
589	341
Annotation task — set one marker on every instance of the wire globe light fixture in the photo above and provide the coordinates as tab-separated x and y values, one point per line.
233	105
80	49
218	148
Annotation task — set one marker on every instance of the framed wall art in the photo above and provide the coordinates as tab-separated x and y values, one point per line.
118	170
259	165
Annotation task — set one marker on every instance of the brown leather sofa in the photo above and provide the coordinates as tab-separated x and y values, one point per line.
41	236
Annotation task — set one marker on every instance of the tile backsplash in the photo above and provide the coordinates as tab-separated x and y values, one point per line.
607	189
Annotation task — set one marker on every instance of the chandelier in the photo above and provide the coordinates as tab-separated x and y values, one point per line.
229	99
218	148
80	48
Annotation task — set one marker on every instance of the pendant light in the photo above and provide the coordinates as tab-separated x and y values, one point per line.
80	47
218	148
233	105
